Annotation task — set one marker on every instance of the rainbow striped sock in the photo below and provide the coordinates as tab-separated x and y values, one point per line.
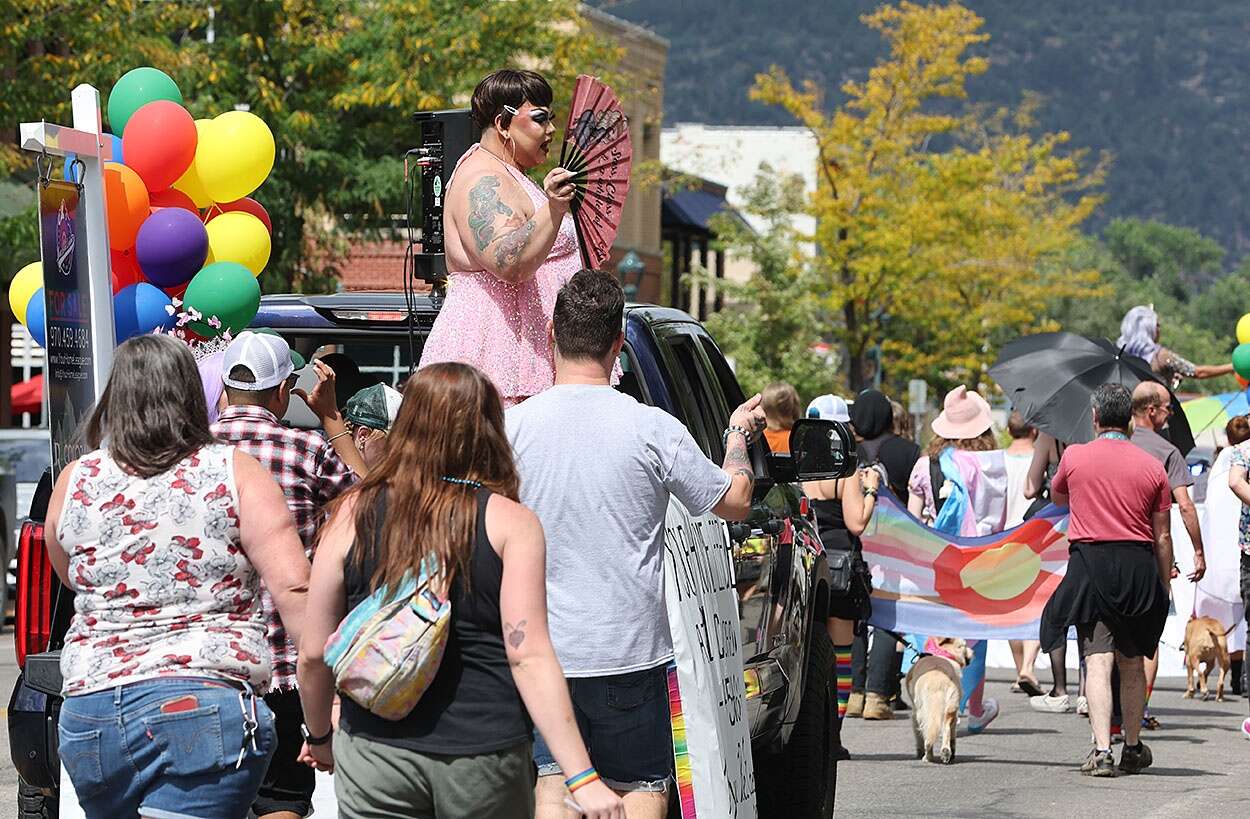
842	671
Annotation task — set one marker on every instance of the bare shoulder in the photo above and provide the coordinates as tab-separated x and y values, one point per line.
508	521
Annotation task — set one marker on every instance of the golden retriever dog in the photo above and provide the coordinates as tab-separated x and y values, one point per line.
1205	643
935	691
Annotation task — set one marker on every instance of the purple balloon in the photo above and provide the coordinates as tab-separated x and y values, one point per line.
171	247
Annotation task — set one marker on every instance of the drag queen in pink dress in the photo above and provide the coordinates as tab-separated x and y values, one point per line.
510	245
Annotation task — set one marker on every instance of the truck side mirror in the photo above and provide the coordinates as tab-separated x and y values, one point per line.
821	450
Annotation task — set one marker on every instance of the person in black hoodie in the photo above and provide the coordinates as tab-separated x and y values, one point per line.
876	671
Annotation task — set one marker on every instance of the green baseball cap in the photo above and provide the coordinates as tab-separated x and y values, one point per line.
375	407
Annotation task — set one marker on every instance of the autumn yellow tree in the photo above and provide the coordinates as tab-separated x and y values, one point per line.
942	228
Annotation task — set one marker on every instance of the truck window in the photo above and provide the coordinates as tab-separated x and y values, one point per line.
631	384
698	395
729	386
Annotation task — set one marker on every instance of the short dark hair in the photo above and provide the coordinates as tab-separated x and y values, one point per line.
1018	428
508	86
1238	430
252	398
1113	406
152	413
588	314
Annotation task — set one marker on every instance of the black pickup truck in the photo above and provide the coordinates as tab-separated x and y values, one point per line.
669	361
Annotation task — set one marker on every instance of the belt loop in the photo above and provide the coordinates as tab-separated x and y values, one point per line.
117	697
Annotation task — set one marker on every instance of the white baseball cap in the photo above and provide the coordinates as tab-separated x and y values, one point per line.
830	408
266	357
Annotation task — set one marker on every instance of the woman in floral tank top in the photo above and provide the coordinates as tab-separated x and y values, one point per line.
157	532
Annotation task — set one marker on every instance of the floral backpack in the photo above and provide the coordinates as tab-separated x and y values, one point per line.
387	650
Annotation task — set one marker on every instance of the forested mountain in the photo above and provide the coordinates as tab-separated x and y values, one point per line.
1164	87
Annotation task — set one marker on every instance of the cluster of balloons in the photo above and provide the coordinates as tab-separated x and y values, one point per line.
1241	355
180	221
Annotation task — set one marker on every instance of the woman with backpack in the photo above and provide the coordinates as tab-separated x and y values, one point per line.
960	488
441	504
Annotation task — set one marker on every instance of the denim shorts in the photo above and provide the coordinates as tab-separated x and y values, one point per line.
625	724
171	748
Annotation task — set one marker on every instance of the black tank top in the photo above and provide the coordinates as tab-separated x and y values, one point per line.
832	525
472	707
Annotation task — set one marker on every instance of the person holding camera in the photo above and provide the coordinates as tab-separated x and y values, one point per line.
843	508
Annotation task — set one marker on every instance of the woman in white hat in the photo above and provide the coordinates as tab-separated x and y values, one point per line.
843	508
960	488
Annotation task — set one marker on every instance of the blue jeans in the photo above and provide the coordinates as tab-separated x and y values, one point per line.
624	721
171	748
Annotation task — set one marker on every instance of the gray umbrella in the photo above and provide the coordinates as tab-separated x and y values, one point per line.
1050	377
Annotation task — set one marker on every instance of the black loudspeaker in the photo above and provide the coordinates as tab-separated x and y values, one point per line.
444	137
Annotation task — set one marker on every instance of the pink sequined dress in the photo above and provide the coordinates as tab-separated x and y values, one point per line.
500	327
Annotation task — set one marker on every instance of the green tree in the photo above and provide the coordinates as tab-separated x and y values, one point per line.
941	227
772	321
337	83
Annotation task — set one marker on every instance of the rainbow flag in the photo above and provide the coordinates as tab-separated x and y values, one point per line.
681	751
991	587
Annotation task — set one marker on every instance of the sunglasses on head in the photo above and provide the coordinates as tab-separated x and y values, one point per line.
541	116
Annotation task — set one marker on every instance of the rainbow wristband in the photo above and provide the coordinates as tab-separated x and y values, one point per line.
582	779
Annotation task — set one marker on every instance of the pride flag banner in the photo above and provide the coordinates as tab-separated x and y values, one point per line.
985	588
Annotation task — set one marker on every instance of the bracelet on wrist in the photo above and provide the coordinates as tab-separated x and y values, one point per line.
312	740
731	429
334	438
581	780
869	492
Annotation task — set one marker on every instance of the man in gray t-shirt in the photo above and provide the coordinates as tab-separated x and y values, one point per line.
598	469
1152	406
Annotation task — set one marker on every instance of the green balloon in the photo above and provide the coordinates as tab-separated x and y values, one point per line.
137	88
227	290
1241	360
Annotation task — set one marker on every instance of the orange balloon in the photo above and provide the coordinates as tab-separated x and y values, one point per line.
1242	382
173	198
127	202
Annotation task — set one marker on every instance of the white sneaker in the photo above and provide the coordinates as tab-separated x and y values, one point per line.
989	710
1061	704
1082	706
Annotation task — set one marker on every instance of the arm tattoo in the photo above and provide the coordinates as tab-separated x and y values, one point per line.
484	206
510	247
737	460
515	635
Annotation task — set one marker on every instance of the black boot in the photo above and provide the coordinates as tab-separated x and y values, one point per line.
840	754
1237	670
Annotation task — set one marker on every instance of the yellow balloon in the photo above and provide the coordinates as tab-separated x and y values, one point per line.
190	182
240	237
24	284
234	156
1243	329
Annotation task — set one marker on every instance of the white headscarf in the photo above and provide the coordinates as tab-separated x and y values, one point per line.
1137	333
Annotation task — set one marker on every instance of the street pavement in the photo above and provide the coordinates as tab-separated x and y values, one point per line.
1024	765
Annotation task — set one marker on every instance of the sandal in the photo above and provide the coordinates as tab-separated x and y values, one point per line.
1026	686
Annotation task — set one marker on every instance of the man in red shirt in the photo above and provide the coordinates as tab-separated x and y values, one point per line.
1119	560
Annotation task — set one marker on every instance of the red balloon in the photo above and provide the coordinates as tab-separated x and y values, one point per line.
159	143
125	269
173	198
1243	383
246	205
178	291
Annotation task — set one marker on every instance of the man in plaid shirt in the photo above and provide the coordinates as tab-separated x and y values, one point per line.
258	374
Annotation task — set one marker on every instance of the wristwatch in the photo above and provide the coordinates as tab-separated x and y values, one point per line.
312	740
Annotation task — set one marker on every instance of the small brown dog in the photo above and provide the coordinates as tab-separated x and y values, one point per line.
935	690
1205	642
